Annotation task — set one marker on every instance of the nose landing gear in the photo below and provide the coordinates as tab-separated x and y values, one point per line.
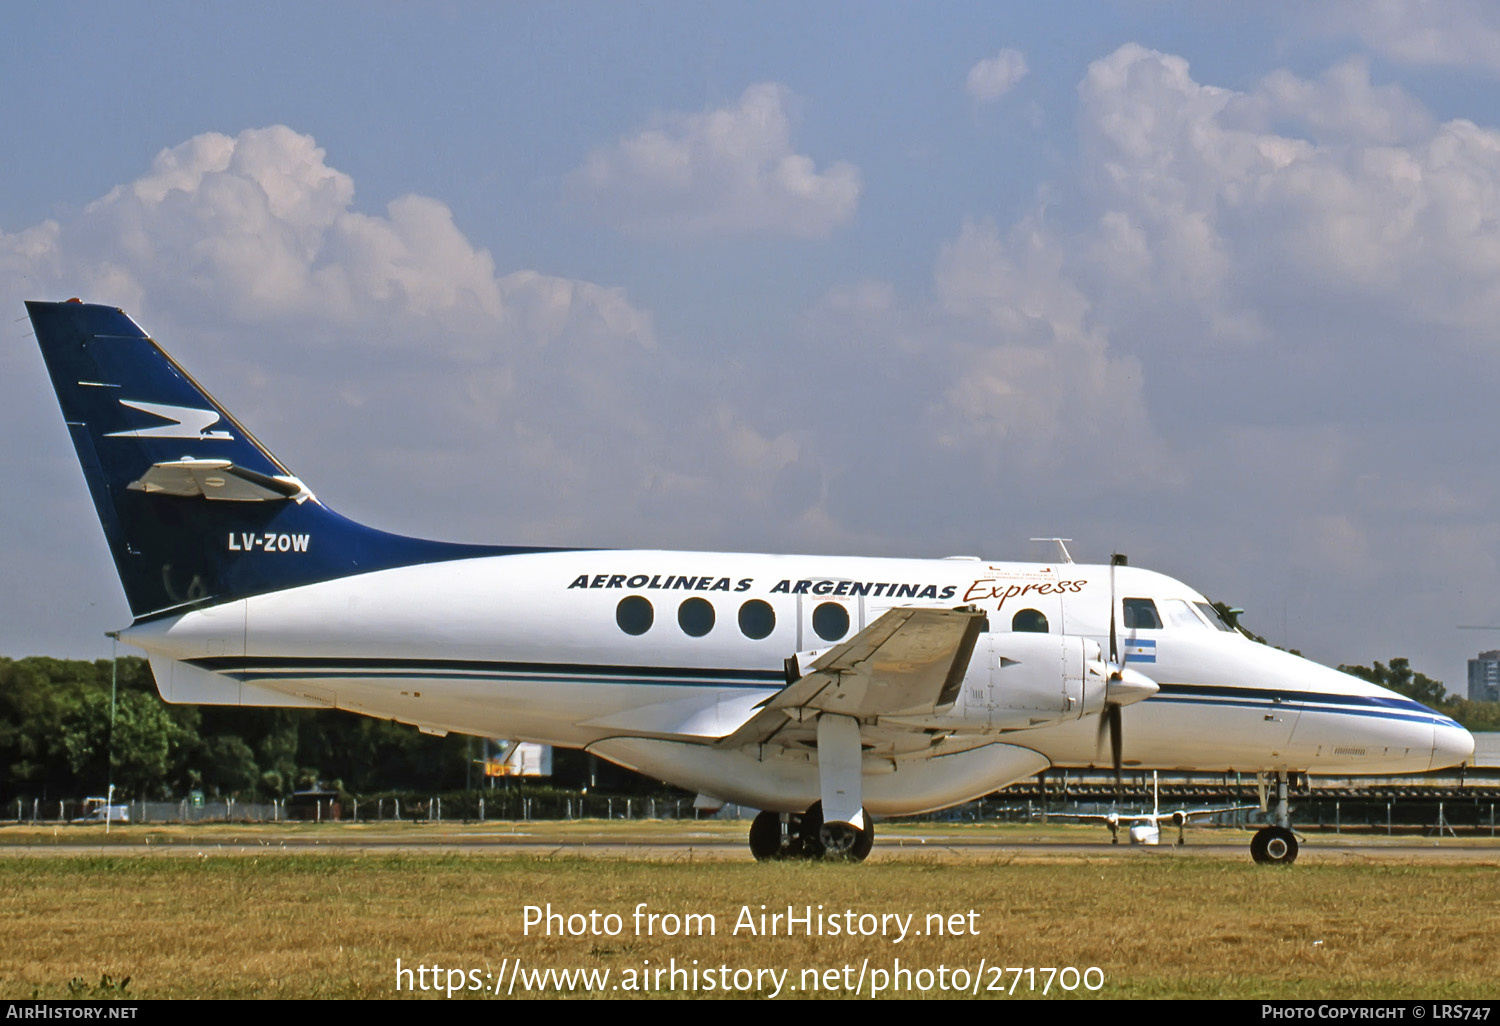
1276	845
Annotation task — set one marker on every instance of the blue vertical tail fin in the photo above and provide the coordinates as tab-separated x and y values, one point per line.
195	510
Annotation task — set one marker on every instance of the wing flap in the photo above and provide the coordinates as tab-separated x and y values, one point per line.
909	662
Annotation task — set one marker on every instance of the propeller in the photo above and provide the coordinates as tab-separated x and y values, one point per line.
1122	687
1109	716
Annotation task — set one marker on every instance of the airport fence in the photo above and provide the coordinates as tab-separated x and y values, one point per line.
210	810
1408	813
1429	816
460	807
529	804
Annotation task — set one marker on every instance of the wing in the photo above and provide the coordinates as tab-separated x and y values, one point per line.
908	662
1214	811
1149	817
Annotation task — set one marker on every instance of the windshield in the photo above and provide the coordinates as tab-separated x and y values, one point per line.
1212	616
1180	614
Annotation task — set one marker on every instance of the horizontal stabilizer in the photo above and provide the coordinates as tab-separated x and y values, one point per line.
217	480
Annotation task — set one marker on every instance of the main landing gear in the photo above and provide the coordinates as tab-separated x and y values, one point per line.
786	835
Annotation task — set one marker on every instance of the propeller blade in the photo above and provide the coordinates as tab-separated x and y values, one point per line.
1116	739
1131	690
1110	722
1114	647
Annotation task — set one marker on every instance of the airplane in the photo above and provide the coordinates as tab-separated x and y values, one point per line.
821	690
1145	827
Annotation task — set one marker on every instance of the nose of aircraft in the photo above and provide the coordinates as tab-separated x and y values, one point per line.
1451	745
1352	724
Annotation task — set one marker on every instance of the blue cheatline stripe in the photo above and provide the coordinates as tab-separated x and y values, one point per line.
292	668
322	668
1379	707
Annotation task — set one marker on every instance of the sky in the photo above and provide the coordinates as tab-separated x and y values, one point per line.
1215	285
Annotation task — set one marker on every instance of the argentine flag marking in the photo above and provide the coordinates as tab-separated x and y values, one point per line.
1137	651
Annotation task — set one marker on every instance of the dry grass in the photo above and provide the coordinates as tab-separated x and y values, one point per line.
314	925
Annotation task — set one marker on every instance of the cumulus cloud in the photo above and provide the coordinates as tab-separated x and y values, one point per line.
1229	222
725	172
1307	271
1342	105
1259	331
1333	189
994	76
946	417
1261	336
260	227
1036	378
409	380
390	337
1455	33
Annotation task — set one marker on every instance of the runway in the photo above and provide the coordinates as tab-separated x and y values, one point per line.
686	841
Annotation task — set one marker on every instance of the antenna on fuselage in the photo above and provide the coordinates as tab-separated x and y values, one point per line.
1066	558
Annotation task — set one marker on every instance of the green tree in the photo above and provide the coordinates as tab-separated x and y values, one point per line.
1475	715
230	766
145	738
1400	678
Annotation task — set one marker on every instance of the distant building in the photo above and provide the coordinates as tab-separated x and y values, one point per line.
1484	677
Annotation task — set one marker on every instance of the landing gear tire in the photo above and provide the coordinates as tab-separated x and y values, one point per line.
822	840
811	832
766	841
853	845
1274	846
808	837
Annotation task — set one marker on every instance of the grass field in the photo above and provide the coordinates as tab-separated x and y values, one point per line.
263	923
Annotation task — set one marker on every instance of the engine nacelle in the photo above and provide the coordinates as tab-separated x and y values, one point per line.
1017	681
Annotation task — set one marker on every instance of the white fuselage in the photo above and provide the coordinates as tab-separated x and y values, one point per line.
532	647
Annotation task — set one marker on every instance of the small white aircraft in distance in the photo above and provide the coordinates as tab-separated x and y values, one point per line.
820	689
1145	827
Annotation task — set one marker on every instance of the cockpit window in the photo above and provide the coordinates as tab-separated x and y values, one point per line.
1212	616
1140	614
1180	614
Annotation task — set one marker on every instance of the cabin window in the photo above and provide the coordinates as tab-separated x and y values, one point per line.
1029	621
830	621
634	614
1140	615
695	617
757	619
